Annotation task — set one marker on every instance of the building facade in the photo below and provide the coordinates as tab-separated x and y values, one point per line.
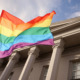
58	62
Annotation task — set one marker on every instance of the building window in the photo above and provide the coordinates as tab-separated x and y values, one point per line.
44	72
76	70
10	76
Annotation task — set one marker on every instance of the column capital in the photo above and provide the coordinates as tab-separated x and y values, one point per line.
59	43
13	59
14	56
55	58
34	51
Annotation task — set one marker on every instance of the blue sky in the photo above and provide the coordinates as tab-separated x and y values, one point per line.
29	9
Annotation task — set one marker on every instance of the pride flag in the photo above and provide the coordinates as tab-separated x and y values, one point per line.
14	33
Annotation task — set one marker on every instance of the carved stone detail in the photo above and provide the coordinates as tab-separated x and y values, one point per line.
34	51
14	56
59	44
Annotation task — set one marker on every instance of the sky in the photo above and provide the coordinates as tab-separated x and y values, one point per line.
29	9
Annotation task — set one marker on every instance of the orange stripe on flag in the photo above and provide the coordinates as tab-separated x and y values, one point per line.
41	19
10	17
7	23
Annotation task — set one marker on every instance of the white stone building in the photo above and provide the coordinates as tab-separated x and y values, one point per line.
58	62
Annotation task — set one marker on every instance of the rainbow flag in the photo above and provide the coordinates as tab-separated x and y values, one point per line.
14	33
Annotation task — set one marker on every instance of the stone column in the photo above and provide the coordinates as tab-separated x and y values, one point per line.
55	58
32	55
12	61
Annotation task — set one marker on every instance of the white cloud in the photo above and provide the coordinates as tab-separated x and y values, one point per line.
69	1
75	7
46	6
29	9
76	14
42	12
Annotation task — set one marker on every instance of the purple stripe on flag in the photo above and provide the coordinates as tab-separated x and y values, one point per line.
20	45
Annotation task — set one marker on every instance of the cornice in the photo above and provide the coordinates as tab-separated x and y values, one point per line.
68	33
64	22
66	26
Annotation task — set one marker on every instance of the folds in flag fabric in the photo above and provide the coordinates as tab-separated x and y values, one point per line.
14	33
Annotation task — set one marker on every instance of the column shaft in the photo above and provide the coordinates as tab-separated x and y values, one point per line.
33	53
54	62
12	61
